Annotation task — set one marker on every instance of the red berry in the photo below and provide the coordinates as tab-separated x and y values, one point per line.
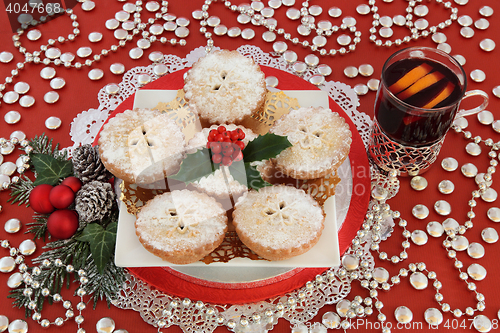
72	182
221	129
62	223
240	144
234	135
226	135
237	155
226	145
227	161
212	134
219	138
61	196
216	158
215	147
228	151
39	199
241	133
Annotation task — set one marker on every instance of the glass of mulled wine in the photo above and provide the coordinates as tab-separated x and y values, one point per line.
417	101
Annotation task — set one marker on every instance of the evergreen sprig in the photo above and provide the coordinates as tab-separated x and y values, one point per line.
102	285
107	285
71	252
39	227
20	191
43	145
53	278
40	145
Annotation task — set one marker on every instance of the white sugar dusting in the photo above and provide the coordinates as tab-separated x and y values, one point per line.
181	220
279	217
142	143
320	138
225	86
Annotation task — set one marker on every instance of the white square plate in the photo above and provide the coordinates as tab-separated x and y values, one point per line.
131	253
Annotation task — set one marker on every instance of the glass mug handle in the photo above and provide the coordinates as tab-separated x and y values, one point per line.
464	113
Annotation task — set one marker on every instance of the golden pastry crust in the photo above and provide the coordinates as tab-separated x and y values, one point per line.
321	142
225	87
181	227
278	222
141	146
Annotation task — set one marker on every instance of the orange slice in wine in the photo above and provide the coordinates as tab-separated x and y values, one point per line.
410	119
410	78
421	84
443	94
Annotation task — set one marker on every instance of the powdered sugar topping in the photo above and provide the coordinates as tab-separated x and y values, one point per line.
181	220
279	217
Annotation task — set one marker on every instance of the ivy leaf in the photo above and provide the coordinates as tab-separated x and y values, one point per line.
102	242
194	167
265	147
50	170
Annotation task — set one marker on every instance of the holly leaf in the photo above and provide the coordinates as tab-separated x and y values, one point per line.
102	242
265	147
247	175
238	171
199	164
254	179
50	170
194	167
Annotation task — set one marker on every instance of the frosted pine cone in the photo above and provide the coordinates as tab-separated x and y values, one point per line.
94	201
88	165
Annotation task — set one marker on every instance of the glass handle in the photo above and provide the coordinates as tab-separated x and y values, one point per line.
463	113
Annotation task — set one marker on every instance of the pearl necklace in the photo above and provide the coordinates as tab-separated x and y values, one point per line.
417	28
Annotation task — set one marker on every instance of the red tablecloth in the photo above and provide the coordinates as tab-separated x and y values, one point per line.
80	94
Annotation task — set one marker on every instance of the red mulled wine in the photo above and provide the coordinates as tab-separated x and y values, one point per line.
417	101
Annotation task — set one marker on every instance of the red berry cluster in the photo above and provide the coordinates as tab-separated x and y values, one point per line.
226	146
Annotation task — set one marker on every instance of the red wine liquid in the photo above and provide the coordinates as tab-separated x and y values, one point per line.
430	86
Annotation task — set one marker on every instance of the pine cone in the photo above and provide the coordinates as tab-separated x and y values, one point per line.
94	201
88	165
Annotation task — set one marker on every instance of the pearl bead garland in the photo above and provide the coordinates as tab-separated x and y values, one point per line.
32	285
395	279
415	31
306	27
53	57
10	144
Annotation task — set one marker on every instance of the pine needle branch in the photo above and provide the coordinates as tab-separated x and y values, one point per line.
39	227
20	191
106	285
42	145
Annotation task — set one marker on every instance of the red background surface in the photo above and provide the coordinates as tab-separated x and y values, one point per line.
80	94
